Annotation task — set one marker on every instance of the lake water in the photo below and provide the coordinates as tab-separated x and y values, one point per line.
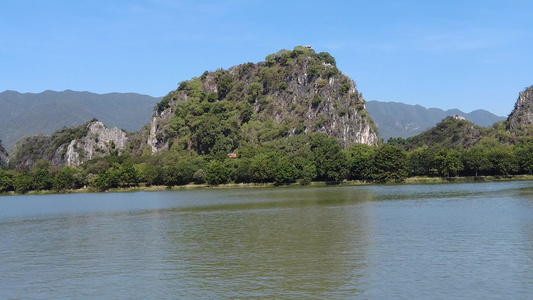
439	241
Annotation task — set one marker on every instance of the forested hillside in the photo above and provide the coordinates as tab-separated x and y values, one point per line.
291	93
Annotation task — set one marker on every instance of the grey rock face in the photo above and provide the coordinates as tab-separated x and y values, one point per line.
93	139
99	141
4	157
521	118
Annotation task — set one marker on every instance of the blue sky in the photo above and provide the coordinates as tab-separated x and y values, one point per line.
445	54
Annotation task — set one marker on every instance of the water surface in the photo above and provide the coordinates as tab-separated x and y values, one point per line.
438	241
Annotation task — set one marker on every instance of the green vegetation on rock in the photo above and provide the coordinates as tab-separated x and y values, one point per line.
291	119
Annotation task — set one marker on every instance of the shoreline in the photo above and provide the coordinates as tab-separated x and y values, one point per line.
193	186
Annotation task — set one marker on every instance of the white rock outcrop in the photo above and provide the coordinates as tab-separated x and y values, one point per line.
98	141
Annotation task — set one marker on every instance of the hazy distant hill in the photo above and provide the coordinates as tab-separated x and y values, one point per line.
395	119
23	114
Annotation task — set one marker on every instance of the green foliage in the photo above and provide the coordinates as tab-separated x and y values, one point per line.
390	164
308	173
476	159
450	133
448	162
345	87
421	161
107	179
328	158
149	173
164	103
65	179
199	176
327	58
313	71
261	168
285	171
360	159
42	179
524	154
180	173
504	160
316	100
6	181
216	173
224	84
399	141
22	183
255	89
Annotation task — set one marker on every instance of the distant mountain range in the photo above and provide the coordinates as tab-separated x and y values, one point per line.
23	114
395	119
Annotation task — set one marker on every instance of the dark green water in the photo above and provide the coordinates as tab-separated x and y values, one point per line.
447	241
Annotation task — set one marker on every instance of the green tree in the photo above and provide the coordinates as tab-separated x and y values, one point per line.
216	173
328	158
42	179
23	183
208	132
242	172
361	161
255	89
476	159
6	181
199	176
224	84
421	161
64	179
149	173
128	174
107	179
524	153
170	175
449	162
261	168
285	171
391	164
327	58
503	160
307	171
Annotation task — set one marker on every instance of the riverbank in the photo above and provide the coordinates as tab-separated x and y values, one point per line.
193	186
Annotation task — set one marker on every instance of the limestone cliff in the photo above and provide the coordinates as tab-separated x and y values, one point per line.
293	92
520	120
70	146
4	158
98	141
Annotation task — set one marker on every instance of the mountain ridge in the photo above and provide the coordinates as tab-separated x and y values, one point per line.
14	125
26	114
397	119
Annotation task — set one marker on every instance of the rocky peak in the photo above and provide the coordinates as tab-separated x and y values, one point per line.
71	146
521	118
98	141
299	91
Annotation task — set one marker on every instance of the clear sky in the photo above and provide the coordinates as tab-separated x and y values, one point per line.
445	54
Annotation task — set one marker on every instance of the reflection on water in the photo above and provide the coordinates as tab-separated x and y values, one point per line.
301	253
369	242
